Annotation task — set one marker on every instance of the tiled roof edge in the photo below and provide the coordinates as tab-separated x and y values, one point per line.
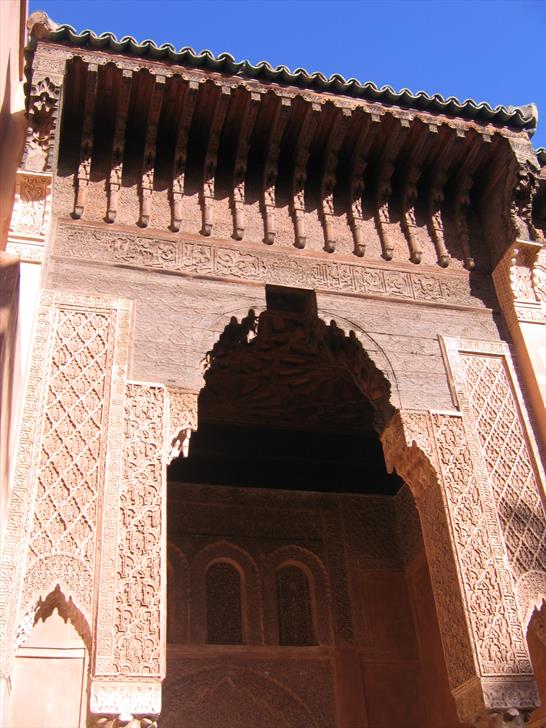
519	117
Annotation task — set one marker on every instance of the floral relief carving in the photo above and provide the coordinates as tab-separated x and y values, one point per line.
79	354
140	583
32	206
487	659
43	107
187	257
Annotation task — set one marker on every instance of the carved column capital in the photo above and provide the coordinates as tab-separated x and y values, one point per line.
31	216
42	112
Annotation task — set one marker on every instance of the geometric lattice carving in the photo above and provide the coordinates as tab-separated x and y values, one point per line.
64	526
294	607
498	635
139	589
224	620
510	470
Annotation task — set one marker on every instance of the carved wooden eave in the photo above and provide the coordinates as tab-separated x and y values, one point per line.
438	176
385	169
410	173
402	156
181	151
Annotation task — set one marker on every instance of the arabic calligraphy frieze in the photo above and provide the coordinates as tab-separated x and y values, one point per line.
221	261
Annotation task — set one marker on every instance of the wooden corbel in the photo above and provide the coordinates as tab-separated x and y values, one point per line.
299	177
276	132
369	127
435	202
395	139
461	185
148	162
410	176
86	148
241	156
116	167
211	156
328	181
181	152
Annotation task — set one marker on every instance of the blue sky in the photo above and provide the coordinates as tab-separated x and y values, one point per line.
488	50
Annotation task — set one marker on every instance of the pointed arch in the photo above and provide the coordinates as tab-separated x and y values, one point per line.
44	608
319	591
251	603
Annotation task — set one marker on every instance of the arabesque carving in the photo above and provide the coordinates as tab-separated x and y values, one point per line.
79	355
487	389
140	578
487	658
32	206
319	591
251	593
189	257
42	111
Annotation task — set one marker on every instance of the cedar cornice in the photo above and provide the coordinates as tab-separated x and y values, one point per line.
366	155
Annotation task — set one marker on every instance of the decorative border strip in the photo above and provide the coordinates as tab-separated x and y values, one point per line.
189	257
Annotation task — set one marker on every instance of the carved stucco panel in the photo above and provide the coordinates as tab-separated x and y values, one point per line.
499	642
80	353
486	653
190	258
488	393
139	618
32	206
